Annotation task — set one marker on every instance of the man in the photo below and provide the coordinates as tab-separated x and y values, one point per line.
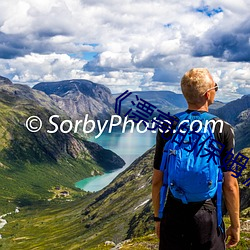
194	225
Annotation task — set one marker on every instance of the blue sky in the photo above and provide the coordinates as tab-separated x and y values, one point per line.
135	45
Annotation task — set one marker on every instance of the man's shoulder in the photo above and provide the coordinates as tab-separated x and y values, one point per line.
221	125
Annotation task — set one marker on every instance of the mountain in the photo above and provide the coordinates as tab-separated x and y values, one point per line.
166	101
237	113
232	110
216	105
4	80
31	164
242	130
80	97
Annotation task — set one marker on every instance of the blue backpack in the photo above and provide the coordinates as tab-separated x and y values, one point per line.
188	172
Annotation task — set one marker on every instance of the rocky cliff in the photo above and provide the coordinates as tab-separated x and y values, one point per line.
80	97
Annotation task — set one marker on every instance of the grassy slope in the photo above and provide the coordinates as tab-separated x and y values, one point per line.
60	225
27	168
48	226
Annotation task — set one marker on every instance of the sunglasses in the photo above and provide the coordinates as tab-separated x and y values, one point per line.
216	87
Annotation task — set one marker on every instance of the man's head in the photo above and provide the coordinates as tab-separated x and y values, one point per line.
198	86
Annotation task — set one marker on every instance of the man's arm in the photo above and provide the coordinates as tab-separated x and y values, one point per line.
232	200
157	178
156	187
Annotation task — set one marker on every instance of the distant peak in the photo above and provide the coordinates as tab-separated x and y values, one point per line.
60	88
4	80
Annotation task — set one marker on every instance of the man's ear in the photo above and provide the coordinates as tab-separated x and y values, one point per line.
207	95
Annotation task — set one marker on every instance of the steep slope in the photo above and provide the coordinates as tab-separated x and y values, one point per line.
242	130
122	210
237	114
216	105
106	215
32	163
232	110
244	190
127	199
80	97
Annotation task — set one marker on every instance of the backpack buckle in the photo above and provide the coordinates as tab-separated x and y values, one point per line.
172	152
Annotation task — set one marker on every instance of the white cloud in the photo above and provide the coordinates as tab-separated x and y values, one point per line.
35	68
141	44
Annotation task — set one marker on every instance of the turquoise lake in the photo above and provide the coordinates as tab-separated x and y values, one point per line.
129	146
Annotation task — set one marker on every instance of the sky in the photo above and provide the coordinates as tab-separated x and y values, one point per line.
138	45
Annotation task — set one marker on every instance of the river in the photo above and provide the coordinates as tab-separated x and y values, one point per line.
128	146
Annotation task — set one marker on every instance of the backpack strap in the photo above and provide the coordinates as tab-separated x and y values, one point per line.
208	116
163	194
219	200
182	115
164	187
205	116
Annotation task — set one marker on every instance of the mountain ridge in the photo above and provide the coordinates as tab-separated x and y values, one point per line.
80	97
230	111
4	80
237	114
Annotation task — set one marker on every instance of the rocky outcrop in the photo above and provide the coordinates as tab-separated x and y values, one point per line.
106	158
242	130
244	190
4	80
237	114
80	97
232	110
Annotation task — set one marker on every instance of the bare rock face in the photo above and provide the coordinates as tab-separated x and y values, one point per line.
237	113
80	97
232	110
4	80
242	130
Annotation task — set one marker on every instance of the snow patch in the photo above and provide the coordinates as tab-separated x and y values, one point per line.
143	186
142	204
2	223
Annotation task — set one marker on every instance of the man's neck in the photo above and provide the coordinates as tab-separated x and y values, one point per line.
198	107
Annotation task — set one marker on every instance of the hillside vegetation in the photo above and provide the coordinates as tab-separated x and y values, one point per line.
32	163
120	212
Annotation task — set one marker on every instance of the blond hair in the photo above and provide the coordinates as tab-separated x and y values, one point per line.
195	83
